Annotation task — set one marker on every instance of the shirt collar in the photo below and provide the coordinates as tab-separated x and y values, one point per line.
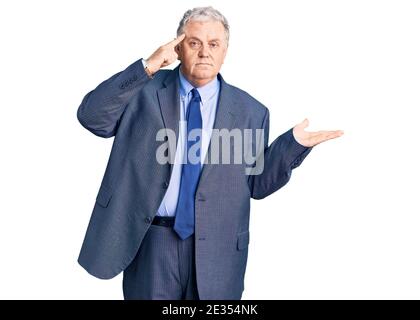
206	91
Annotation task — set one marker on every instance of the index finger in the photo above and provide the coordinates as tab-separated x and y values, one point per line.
177	40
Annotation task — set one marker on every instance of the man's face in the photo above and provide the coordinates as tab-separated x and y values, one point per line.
202	51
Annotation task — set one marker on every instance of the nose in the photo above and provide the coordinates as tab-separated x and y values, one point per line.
204	51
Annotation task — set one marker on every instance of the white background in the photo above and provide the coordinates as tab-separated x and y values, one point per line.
347	224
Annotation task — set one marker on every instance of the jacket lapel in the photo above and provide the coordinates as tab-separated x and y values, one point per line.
169	106
226	114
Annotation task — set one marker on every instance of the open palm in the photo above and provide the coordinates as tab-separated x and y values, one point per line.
310	139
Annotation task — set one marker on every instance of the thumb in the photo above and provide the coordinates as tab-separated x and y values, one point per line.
305	123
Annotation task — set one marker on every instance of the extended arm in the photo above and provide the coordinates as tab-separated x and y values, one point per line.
280	158
285	154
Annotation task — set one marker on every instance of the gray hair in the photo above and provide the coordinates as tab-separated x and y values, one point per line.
203	14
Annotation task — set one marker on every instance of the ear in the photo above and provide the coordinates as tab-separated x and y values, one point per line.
178	51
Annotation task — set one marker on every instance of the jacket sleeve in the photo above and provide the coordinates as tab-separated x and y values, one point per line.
101	109
282	156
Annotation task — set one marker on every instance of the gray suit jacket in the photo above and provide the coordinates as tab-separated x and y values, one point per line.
132	107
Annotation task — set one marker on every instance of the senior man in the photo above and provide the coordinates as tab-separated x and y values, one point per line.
180	229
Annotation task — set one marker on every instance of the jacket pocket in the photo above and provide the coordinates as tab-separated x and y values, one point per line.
104	196
243	240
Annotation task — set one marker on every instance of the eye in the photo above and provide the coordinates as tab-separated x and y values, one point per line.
194	44
213	45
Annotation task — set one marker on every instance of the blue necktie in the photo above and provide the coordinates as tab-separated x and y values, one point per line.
185	217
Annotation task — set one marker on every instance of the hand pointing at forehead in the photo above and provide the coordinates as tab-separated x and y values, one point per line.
164	55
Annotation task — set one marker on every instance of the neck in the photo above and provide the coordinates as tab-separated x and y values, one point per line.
197	83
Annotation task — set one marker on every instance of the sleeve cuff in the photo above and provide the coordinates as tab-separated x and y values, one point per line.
296	151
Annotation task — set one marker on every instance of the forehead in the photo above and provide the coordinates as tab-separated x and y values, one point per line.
205	30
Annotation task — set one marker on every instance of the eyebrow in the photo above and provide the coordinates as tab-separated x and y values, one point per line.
195	38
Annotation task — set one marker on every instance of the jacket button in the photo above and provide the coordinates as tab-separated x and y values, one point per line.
148	219
165	184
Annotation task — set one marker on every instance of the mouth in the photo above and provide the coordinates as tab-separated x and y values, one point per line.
203	64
